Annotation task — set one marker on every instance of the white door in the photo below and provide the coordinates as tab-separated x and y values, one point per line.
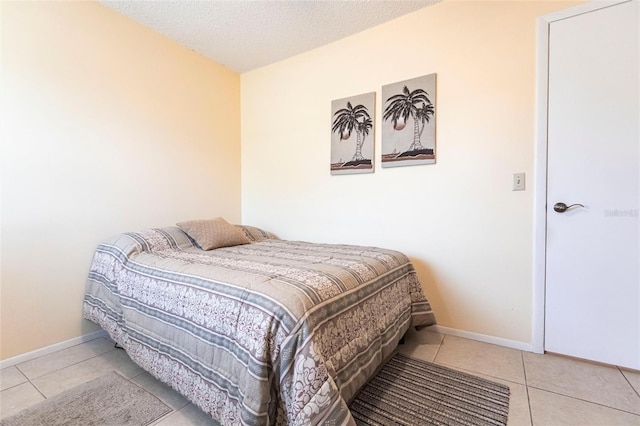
592	300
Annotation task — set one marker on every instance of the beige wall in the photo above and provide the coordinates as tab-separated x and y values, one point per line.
468	233
108	127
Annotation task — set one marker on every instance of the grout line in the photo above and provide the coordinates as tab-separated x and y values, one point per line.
526	388
70	365
478	373
30	380
439	346
20	384
474	372
36	388
26	379
31	383
524	368
587	401
627	379
141	374
57	353
163	418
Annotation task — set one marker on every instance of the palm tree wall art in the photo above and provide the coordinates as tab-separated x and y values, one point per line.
352	134
408	122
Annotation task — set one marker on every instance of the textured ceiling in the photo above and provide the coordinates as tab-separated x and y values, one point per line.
247	34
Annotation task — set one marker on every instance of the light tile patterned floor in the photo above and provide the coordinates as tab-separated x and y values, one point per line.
546	390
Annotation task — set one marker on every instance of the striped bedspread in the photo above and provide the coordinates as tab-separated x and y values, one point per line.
272	332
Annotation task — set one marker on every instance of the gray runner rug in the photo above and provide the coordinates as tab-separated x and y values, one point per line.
107	400
412	392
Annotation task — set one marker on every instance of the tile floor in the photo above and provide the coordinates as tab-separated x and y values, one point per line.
545	389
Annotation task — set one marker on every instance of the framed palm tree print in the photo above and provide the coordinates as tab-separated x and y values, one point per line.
408	122
352	134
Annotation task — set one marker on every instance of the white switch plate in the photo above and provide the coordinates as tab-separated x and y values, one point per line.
518	182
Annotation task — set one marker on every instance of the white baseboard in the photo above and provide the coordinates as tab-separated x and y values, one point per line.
53	348
513	344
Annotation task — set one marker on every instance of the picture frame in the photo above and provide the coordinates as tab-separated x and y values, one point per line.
352	134
408	122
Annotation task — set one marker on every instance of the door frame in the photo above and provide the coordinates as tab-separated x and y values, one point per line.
540	161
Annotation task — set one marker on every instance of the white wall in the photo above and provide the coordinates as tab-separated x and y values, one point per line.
108	127
469	235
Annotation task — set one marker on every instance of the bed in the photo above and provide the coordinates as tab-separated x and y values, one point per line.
260	333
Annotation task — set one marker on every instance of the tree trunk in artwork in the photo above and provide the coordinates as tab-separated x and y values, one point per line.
359	143
416	136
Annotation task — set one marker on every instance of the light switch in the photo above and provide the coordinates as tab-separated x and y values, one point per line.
518	182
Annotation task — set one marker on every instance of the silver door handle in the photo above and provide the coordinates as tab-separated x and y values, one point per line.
562	207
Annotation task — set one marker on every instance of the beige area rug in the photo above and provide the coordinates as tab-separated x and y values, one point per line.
411	392
107	400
